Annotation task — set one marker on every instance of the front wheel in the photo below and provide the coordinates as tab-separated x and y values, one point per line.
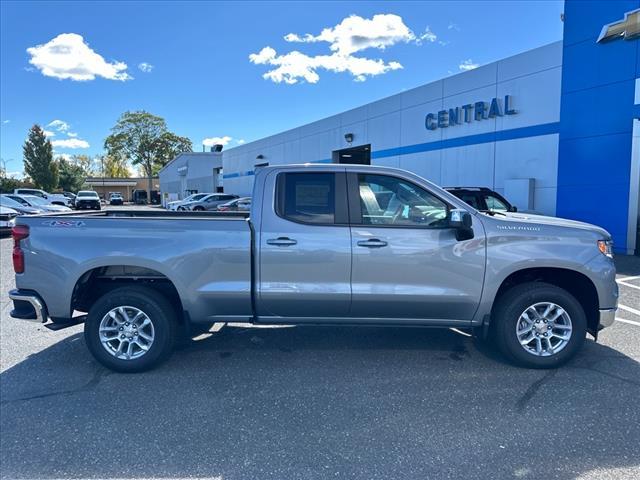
539	325
131	329
198	209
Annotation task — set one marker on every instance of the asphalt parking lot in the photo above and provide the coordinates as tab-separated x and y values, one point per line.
302	402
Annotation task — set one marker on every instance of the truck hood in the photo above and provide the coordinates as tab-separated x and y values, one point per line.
517	218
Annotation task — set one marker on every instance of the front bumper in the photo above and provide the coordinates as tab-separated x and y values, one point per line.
27	305
607	317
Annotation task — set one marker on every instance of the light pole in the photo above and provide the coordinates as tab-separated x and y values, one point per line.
102	163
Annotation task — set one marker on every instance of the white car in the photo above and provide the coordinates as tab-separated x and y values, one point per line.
53	198
194	197
39	203
7	218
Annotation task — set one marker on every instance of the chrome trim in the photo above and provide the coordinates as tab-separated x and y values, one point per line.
607	317
41	317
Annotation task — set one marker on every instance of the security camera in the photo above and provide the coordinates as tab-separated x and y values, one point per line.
348	137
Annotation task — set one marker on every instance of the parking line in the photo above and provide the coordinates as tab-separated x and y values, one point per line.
637	324
626	279
628	285
629	309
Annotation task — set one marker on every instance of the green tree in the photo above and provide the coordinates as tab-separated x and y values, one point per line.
144	139
38	159
72	175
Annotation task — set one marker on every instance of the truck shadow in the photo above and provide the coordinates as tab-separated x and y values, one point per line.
317	402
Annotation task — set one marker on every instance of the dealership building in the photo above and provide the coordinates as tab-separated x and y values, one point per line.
554	129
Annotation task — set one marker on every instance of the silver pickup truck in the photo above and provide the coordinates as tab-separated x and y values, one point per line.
323	244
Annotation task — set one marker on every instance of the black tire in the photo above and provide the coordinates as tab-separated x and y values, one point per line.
198	209
155	306
511	306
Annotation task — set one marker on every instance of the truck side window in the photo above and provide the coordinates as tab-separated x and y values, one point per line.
307	197
494	203
387	200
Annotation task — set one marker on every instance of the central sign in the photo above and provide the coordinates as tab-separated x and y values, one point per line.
470	112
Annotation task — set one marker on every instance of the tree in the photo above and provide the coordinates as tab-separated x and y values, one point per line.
113	166
87	164
72	175
144	139
38	159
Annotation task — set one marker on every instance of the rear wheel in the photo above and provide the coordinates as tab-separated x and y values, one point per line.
131	329
539	325
198	209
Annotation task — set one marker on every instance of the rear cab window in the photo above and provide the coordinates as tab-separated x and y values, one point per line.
312	197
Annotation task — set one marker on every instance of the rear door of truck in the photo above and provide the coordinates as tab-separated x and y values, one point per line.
304	242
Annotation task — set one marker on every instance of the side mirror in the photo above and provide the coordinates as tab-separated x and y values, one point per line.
461	221
513	209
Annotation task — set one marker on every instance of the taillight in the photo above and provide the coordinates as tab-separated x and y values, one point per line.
18	232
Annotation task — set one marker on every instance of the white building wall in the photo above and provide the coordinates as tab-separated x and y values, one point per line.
532	79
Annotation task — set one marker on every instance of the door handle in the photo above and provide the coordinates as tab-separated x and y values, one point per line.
281	241
372	243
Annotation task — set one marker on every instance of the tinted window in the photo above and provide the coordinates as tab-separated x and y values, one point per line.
494	203
470	199
386	200
307	197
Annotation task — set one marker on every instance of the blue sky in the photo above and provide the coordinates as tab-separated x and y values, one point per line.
202	65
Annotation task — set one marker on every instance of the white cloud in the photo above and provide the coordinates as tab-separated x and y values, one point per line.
145	67
4	122
66	156
72	134
68	56
353	34
467	65
49	133
59	125
16	174
453	26
241	141
428	36
70	143
210	142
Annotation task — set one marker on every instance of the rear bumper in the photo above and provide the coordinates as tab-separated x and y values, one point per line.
607	317
27	305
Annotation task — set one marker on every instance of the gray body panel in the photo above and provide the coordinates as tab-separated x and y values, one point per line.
422	276
206	259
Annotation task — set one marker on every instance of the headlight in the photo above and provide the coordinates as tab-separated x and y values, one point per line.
606	247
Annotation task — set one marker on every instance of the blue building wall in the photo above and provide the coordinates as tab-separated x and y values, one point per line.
596	118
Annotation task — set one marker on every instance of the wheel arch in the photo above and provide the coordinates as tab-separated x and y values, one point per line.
98	280
574	282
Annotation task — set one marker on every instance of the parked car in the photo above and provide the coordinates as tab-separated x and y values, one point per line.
116	199
139	197
87	199
54	198
323	244
70	196
38	202
242	204
7	219
194	197
210	202
8	202
482	198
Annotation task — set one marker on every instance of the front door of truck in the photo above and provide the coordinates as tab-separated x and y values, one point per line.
407	264
304	244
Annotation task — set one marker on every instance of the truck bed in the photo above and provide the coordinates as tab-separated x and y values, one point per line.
206	256
159	213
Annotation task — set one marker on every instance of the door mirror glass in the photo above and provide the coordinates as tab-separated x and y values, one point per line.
460	219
